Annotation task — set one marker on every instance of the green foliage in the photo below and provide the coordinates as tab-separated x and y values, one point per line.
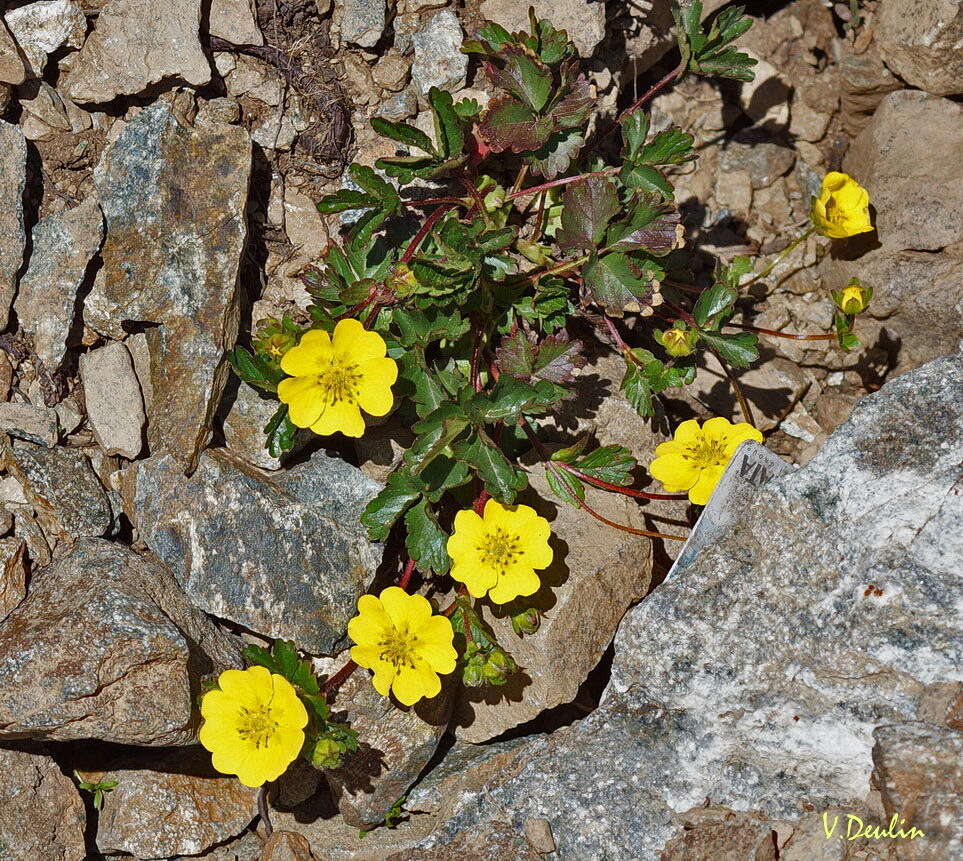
708	52
98	789
483	662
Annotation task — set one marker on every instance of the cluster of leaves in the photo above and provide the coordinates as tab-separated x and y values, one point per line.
97	788
325	741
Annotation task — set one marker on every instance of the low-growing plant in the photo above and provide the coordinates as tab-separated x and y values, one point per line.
465	262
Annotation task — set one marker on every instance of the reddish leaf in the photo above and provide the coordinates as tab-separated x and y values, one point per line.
508	124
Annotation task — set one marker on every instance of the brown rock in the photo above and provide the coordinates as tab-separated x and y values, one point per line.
234	21
920	41
25	421
172	804
41	812
174	197
13	237
919	773
286	846
13	574
12	68
865	81
114	649
136	43
115	405
721	834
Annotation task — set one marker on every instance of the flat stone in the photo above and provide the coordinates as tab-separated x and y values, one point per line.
397	744
114	650
63	489
282	554
136	43
63	245
584	22
43	27
764	162
44	112
765	99
13	574
234	21
12	68
174	198
114	402
41	812
920	41
915	182
721	833
438	58
25	421
244	428
362	22
172	804
758	689
287	846
13	233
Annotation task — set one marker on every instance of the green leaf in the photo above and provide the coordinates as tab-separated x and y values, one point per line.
404	134
467	109
589	206
448	130
489	38
255	369
435	432
715	300
523	76
646	376
617	283
443	474
426	541
635	129
509	124
280	432
554	359
843	324
399	492
556	155
651	226
672	146
564	485
610	463
738	349
501	479
284	660
345	199
646	178
370	182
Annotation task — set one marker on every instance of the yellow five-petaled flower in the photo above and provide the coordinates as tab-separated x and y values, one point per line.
334	378
842	207
253	724
498	553
406	646
695	458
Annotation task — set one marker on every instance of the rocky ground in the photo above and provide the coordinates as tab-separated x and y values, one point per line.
159	164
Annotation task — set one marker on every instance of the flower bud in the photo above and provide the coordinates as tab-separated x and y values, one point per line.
402	280
677	341
473	675
326	753
526	622
275	337
853	298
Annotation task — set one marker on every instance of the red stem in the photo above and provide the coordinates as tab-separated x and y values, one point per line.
405	577
557	182
432	201
824	337
423	232
658	85
479	504
615	488
621	526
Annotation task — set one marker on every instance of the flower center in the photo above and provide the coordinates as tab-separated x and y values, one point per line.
340	382
397	648
256	725
499	549
707	452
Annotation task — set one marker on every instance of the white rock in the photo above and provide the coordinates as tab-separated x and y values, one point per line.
303	223
115	405
362	22
235	22
765	99
41	28
438	60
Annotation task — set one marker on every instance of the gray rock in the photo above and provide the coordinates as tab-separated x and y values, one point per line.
764	162
234	21
920	41
136	43
44	112
41	812
114	402
13	233
438	58
63	489
244	427
362	22
174	197
282	554
172	804
42	27
758	672
106	646
63	245
25	421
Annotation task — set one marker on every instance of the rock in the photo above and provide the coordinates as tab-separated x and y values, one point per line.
764	162
733	191
163	187
493	841
303	224
115	652
115	405
24	421
438	58
765	99
63	245
584	22
391	72
12	68
864	81
758	689
45	115
362	22
282	554
13	574
41	812
538	832
920	41
401	106
286	846
396	745
137	43
42	27
256	79
63	489
172	804
808	124
597	574
723	835
915	182
244	428
13	234
920	777
234	21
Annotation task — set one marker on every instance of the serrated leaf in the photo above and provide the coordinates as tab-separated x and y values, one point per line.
589	206
635	129
404	134
399	492
564	485
510	125
651	226
254	369
443	474
610	463
501	479
425	541
371	183
646	178
556	155
489	38
522	75
576	104
435	432
280	432
616	283
646	376
448	130
672	146
738	349
712	301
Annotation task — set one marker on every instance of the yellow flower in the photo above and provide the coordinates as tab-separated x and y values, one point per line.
253	724
407	647
853	298
332	377
498	553
842	207
696	457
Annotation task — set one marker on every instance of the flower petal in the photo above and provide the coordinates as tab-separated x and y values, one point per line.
675	472
510	586
309	356
700	492
477	578
407	612
305	399
341	416
372	624
374	389
413	683
355	343
537	553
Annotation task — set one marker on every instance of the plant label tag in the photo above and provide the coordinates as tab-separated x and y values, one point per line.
751	467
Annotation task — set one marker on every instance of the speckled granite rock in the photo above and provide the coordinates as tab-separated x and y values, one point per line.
174	197
438	60
282	554
13	235
106	646
362	22
757	674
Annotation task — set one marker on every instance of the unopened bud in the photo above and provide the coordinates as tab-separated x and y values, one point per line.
526	622
853	298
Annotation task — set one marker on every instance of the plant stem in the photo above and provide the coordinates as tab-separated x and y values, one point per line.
743	403
475	373
432	201
780	256
405	577
658	85
522	173
621	526
557	182
262	809
826	336
423	231
615	488
479	504
614	332
334	682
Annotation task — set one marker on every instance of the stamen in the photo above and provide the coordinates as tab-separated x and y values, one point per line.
707	452
340	383
257	725
499	548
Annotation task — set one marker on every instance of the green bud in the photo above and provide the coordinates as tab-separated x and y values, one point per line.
473	675
526	622
274	338
677	341
853	298
326	753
